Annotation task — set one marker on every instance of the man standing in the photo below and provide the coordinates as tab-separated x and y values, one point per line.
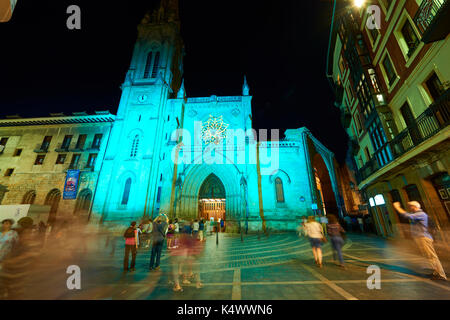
158	235
131	243
422	237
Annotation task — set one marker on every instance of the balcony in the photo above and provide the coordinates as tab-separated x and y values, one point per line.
433	120
62	148
429	123
433	20
42	148
94	147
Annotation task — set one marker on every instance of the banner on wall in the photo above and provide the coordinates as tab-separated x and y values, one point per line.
71	184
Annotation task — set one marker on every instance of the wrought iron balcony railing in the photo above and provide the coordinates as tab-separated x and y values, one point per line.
431	17
429	123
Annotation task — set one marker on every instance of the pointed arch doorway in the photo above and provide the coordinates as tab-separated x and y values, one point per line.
212	199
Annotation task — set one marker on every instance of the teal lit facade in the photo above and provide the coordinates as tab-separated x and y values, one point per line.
157	160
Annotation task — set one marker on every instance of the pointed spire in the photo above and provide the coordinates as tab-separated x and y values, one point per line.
245	87
182	91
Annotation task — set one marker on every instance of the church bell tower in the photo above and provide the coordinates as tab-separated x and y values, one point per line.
128	184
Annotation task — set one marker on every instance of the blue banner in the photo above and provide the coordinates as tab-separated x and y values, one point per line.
71	184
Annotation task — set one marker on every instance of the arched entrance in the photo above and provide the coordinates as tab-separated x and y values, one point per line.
192	179
52	200
326	199
83	204
212	199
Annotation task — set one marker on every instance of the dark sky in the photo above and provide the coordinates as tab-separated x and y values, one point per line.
280	45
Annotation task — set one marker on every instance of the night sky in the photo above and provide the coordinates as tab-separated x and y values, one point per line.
280	45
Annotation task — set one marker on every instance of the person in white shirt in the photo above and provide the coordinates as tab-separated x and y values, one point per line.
195	228
314	232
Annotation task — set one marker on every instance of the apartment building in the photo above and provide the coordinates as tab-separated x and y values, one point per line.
392	86
36	155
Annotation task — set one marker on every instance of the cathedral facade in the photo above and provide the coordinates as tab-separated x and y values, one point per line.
199	157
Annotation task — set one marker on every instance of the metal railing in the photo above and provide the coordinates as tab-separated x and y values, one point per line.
433	120
426	13
42	147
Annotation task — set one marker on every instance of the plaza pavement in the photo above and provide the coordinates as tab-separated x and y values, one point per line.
279	267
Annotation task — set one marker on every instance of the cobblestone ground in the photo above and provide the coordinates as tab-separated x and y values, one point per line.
277	267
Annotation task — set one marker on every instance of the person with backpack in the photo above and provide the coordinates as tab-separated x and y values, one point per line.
131	244
158	236
420	224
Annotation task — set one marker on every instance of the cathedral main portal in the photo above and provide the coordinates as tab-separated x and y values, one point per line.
212	199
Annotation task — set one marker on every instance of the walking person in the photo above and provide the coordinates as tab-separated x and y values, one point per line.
336	233
176	233
170	235
314	232
8	239
324	222
195	229
201	230
222	225
421	235
158	236
361	223
131	245
348	223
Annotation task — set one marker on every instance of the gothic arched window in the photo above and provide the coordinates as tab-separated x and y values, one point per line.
134	146
155	65
279	190
148	65
126	192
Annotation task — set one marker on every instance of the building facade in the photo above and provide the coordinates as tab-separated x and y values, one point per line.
392	86
164	152
36	153
200	157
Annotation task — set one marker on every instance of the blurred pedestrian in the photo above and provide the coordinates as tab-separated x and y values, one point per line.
158	236
131	244
195	229
324	222
18	266
8	239
348	223
421	235
201	230
222	225
314	231
170	235
361	223
336	233
176	232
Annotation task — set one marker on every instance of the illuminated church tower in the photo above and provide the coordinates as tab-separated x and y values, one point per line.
131	174
270	183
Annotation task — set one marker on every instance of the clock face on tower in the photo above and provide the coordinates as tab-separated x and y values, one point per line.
142	98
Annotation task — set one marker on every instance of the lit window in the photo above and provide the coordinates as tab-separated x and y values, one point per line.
379	200
134	146
126	192
148	64
389	69
371	202
279	190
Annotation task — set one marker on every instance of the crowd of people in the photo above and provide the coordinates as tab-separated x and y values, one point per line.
184	241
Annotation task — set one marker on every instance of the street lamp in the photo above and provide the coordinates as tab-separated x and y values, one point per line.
359	3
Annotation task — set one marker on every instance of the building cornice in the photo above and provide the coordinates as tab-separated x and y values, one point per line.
98	118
